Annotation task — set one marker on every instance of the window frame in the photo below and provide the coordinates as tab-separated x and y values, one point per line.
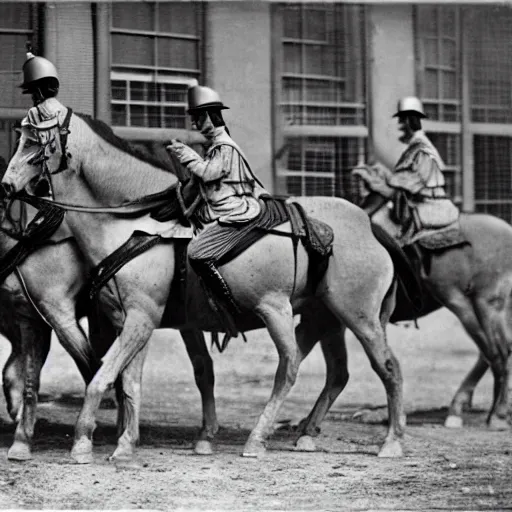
158	74
285	131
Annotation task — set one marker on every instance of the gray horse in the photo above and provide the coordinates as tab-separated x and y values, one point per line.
357	289
474	282
45	292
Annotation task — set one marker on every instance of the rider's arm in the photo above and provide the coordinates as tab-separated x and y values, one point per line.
416	177
211	168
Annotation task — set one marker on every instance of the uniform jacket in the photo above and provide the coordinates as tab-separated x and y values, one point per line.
228	186
420	196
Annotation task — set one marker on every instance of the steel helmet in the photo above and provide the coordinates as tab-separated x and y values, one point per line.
201	98
35	68
410	105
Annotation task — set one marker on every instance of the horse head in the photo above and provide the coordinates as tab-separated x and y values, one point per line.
38	151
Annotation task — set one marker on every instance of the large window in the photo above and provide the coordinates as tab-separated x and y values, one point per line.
465	80
156	55
439	68
321	97
18	25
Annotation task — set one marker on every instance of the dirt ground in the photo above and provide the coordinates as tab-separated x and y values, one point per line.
467	469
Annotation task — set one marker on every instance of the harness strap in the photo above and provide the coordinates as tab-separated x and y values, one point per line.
127	208
137	244
64	132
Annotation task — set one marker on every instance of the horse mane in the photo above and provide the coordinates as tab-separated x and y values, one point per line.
104	131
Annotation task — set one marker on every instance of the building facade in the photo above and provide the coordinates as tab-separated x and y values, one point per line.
311	86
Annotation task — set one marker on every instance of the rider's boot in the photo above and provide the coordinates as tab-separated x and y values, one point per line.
216	285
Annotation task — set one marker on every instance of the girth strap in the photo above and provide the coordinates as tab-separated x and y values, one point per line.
138	243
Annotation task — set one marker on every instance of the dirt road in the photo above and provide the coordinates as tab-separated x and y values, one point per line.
468	469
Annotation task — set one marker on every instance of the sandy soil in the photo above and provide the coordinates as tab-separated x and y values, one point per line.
468	469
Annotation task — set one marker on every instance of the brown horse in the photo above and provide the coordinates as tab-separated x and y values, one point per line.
474	282
268	282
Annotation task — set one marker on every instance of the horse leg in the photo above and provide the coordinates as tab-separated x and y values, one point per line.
326	327
463	398
278	317
205	381
35	347
137	329
12	378
369	328
477	321
492	315
124	454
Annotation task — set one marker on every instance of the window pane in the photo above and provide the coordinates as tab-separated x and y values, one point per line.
448	53
174	117
449	85
427	20
292	22
138	115
315	25
153	116
178	17
12	55
448	20
119	115
133	15
15	15
431	84
320	60
177	53
175	93
118	90
292	58
431	53
132	50
292	89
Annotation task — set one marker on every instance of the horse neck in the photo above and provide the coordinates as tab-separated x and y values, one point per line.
103	174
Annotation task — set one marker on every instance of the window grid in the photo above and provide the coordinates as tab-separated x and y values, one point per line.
149	83
322	86
18	24
322	65
322	166
438	46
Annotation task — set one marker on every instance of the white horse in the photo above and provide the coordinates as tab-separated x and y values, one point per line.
268	282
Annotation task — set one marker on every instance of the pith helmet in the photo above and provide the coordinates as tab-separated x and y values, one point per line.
410	105
201	98
36	68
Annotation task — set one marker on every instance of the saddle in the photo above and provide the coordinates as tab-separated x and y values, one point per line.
316	236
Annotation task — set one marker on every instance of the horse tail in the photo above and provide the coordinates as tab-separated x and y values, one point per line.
408	279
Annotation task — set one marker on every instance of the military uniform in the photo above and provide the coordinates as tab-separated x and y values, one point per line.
419	199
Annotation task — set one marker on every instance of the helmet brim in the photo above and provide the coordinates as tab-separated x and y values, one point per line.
207	106
409	113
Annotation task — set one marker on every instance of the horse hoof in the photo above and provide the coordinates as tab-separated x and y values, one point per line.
203	447
82	458
453	421
254	450
19	452
126	463
392	449
305	444
498	424
82	451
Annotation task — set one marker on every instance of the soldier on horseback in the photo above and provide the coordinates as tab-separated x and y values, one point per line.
229	189
417	185
40	79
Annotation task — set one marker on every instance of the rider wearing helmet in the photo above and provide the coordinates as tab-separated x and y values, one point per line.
229	189
418	184
40	78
